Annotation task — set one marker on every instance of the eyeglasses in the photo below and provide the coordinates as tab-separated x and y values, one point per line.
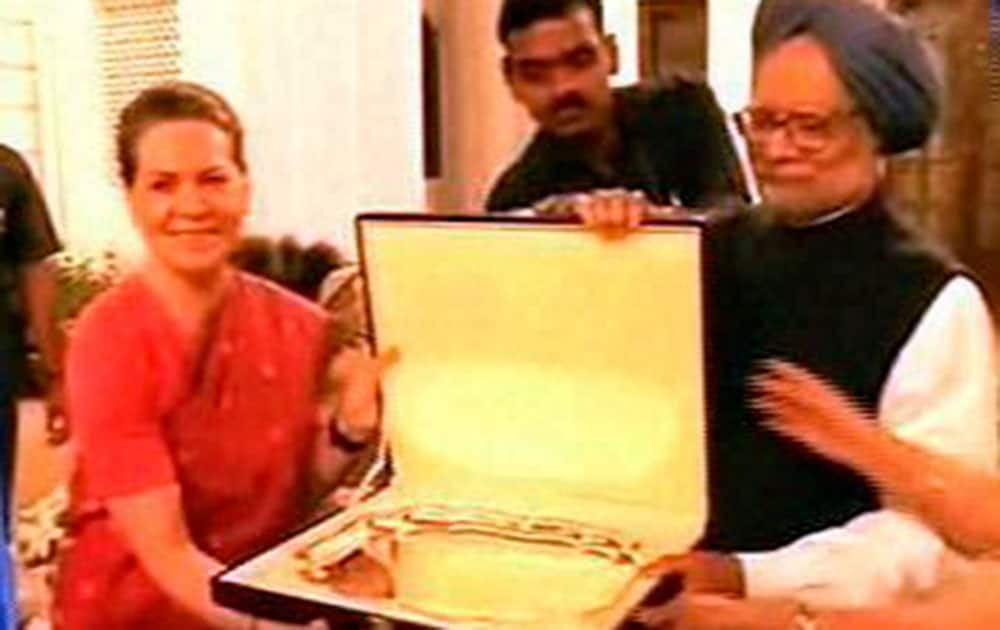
808	131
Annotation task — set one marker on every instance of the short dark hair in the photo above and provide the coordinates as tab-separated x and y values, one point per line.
288	263
176	100
518	14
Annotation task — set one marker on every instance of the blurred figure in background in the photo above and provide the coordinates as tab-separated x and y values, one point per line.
285	262
666	144
318	273
27	290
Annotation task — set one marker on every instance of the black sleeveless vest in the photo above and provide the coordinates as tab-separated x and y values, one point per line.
840	298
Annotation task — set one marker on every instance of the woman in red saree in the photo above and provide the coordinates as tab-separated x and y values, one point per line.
193	390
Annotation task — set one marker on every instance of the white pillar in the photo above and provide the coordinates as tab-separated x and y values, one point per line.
621	19
301	115
92	208
730	66
212	47
729	51
483	127
390	120
329	92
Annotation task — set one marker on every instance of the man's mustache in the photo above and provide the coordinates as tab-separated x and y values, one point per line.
572	100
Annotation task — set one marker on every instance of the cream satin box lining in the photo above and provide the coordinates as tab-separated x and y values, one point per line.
544	372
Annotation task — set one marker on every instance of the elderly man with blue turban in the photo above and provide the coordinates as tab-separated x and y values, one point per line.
827	274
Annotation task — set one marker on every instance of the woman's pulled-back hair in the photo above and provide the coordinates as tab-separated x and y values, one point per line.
176	100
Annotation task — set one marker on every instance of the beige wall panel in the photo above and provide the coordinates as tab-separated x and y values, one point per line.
17	89
15	43
19	129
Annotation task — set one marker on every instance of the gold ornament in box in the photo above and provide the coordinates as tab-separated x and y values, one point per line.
545	428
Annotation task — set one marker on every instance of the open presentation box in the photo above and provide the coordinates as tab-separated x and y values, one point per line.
545	423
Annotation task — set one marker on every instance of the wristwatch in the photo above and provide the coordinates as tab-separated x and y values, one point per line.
805	619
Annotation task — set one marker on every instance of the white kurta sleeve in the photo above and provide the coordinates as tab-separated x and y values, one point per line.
941	394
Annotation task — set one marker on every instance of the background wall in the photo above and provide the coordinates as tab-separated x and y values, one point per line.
330	92
332	107
19	102
729	59
85	203
482	127
622	19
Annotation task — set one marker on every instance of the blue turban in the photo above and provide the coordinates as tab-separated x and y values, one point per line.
882	63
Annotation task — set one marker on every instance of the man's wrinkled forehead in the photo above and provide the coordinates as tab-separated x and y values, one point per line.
551	39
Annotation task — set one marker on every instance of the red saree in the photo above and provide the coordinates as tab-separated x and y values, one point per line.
232	423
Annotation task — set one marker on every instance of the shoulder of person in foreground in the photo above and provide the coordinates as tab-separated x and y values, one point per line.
672	88
116	310
681	116
521	183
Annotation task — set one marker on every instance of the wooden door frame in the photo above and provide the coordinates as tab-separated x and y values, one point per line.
650	12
